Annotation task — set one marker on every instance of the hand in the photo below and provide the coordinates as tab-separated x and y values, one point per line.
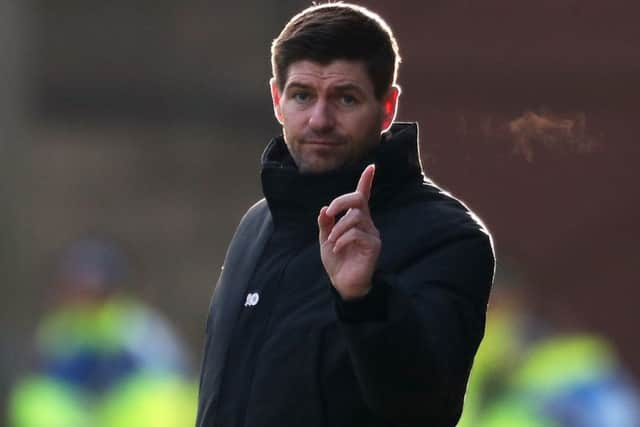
350	248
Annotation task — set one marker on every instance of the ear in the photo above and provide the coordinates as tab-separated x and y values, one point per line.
275	97
390	107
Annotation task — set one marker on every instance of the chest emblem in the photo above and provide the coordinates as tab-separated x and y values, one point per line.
252	299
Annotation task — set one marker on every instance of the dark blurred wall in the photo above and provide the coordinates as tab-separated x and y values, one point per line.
15	45
158	60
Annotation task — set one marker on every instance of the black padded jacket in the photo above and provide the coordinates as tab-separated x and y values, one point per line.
283	350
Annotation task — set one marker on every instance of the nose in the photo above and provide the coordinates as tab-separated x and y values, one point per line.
321	118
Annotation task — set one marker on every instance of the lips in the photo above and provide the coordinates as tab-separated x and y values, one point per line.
322	142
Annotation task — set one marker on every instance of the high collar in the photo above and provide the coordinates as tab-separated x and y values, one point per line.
295	197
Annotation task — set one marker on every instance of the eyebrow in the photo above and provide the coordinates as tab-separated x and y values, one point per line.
296	85
349	87
345	87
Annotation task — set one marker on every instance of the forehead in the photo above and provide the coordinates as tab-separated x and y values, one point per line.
338	72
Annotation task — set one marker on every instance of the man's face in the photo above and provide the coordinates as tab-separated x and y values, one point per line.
329	114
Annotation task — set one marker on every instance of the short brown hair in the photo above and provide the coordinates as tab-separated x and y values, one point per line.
326	32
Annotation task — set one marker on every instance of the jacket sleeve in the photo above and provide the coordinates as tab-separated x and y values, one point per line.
412	339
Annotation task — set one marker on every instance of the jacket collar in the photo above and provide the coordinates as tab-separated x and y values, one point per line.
296	197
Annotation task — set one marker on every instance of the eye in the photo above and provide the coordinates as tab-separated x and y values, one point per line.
348	99
301	97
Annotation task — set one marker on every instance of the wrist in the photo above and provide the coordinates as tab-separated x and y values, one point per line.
372	306
354	294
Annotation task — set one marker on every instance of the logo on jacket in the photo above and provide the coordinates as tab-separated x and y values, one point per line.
252	299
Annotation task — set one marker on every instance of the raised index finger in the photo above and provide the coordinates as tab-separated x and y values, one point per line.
366	181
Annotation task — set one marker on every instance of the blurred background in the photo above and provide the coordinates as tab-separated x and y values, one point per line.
135	127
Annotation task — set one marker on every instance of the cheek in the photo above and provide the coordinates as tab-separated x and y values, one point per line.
293	121
366	124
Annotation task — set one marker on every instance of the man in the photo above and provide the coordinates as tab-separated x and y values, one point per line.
355	293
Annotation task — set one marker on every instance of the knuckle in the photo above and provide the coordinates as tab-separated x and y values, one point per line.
356	214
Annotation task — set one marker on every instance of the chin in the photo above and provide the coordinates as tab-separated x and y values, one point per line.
319	167
315	169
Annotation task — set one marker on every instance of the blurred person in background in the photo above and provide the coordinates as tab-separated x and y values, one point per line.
100	351
345	300
534	372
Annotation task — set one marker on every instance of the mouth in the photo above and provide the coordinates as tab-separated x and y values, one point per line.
322	142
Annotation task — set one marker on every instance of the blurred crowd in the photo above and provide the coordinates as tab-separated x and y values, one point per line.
103	357
532	371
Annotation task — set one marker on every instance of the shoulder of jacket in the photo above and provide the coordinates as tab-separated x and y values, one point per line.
251	222
256	219
258	208
257	211
444	214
